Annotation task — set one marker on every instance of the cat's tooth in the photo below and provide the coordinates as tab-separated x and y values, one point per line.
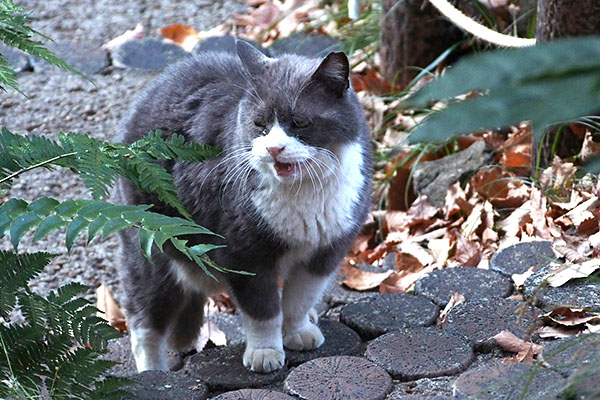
289	167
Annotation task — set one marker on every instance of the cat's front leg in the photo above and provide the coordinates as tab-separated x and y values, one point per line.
258	299
301	291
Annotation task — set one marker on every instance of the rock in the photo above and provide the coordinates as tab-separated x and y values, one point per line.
309	45
225	44
566	355
577	293
518	258
221	369
86	57
583	384
161	385
338	378
433	178
147	54
418	397
337	294
253	394
478	320
19	60
231	325
422	352
473	283
510	381
374	316
426	388
339	340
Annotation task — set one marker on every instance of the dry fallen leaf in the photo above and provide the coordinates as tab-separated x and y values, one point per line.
183	35
109	309
455	299
566	272
519	279
132	34
556	332
210	331
358	279
571	317
525	350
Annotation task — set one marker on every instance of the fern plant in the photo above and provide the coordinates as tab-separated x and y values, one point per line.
53	351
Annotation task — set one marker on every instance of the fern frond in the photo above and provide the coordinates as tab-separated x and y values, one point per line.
16	271
99	163
7	75
15	32
46	215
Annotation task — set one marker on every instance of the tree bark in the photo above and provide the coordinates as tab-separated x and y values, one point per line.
413	34
559	19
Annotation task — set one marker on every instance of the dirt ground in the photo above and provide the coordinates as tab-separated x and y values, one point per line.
60	101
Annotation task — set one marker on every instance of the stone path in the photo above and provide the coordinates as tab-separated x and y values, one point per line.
389	347
377	346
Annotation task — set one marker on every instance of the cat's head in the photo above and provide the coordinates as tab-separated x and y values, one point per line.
298	114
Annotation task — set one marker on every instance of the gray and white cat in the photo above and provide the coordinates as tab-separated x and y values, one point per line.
289	193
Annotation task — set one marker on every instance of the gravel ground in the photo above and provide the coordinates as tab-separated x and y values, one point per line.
59	101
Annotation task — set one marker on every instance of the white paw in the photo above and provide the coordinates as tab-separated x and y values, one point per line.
263	359
308	339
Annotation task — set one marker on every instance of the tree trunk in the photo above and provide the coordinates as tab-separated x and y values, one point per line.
413	34
559	19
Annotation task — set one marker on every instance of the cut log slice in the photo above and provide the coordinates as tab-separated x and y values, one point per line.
222	369
253	394
496	380
473	283
339	340
374	316
417	353
338	378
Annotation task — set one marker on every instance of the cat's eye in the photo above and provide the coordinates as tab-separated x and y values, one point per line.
301	123
260	123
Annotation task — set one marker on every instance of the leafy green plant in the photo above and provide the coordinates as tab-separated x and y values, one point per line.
51	348
546	84
15	32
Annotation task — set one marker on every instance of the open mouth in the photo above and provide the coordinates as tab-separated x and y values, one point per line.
284	169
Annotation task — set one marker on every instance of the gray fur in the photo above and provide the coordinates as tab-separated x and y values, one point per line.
200	98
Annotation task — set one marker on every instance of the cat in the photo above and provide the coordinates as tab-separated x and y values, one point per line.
289	193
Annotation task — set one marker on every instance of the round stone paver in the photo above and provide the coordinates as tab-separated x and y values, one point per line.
519	257
508	381
473	283
568	354
338	378
339	340
583	384
577	293
253	394
221	368
422	352
374	316
161	385
478	320
147	54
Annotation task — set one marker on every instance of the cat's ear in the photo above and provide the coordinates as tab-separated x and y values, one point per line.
251	57
333	73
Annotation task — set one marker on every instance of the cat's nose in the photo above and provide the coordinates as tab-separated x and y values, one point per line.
275	151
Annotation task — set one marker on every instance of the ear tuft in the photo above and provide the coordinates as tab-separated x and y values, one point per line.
333	72
251	57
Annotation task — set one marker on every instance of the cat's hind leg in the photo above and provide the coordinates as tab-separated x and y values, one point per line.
152	300
185	328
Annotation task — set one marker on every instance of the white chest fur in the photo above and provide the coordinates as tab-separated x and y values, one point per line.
310	214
